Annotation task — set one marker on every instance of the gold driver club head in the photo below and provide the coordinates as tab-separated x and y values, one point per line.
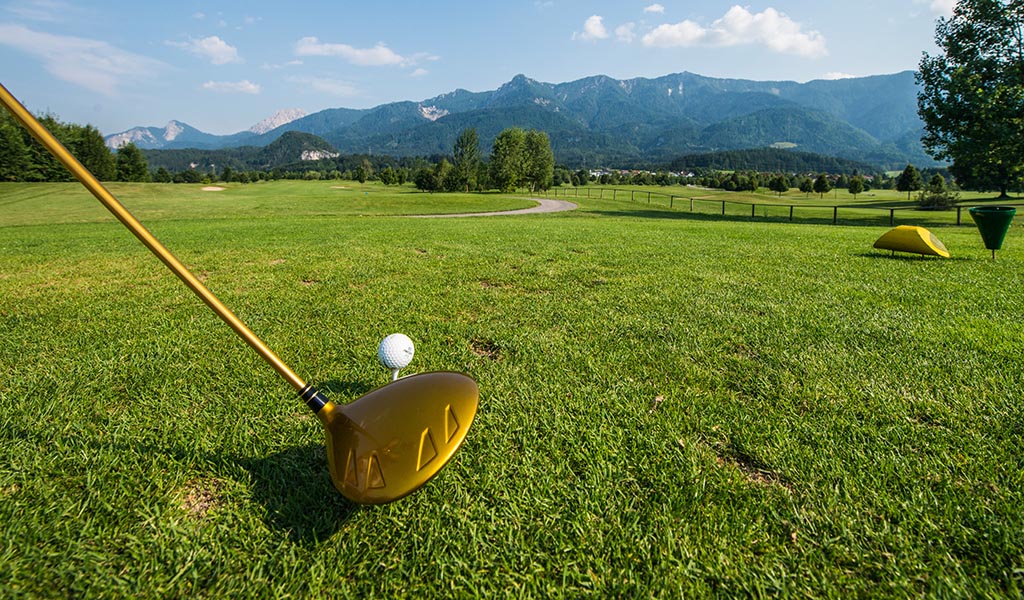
392	440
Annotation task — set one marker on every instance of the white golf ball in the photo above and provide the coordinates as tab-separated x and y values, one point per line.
395	351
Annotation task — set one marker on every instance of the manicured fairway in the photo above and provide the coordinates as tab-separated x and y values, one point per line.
672	405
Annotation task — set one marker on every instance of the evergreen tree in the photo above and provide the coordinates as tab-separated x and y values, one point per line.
13	150
88	146
42	166
162	175
131	164
909	180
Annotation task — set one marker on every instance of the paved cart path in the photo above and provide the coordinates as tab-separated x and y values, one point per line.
543	206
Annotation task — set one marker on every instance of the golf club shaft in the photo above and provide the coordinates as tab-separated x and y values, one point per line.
107	199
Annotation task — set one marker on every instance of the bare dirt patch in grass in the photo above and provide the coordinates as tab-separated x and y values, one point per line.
488	349
213	188
200	496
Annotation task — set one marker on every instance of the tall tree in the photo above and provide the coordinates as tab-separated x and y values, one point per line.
42	166
507	159
539	160
89	147
442	175
972	93
467	161
909	180
131	164
13	151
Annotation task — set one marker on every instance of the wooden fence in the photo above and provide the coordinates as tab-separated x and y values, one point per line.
694	203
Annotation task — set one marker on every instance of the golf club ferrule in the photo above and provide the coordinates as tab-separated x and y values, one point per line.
313	398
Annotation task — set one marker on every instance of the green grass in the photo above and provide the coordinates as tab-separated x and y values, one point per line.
40	204
672	405
869	208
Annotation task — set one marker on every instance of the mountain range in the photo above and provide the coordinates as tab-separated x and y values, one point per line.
603	121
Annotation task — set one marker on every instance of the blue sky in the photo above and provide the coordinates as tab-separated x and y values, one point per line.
223	66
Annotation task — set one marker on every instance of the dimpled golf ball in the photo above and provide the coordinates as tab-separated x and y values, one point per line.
395	351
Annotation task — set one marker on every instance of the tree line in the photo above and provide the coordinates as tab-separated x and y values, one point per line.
22	158
518	158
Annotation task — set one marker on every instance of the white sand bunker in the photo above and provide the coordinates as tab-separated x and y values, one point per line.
213	188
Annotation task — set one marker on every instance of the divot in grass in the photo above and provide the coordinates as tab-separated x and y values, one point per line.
488	349
730	456
200	496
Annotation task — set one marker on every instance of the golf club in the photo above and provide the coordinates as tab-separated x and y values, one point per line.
381	446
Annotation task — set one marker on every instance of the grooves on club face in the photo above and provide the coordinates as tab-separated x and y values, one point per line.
391	441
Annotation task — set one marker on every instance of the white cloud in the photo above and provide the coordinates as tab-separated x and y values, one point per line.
593	29
199	16
378	56
655	8
92	64
233	87
40	10
942	8
626	32
212	48
277	66
834	75
320	85
419	73
739	26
